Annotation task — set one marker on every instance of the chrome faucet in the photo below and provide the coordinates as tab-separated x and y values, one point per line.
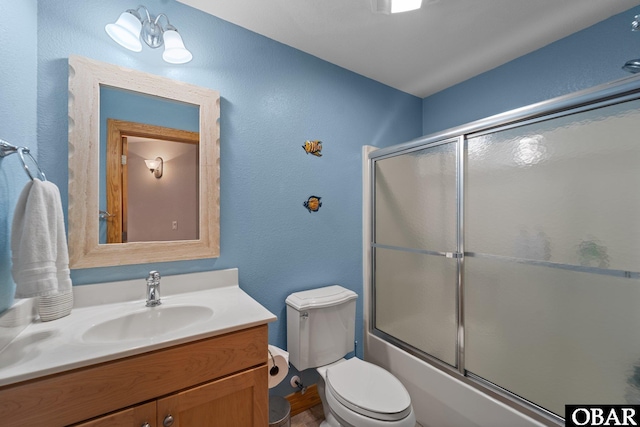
153	289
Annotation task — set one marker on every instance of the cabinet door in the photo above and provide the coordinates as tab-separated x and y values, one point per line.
239	400
139	416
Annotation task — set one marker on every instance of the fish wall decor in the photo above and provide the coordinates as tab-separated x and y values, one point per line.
312	204
313	147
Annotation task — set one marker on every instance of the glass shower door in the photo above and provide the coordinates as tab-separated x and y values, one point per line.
509	250
414	249
552	234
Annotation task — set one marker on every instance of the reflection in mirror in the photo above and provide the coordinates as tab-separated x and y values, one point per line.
143	205
173	215
139	217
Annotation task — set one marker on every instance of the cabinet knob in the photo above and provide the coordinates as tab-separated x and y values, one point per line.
146	425
168	421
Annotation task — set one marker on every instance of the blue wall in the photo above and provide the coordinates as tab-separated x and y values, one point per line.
584	59
273	99
18	82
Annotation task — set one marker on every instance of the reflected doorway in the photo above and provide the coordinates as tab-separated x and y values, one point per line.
142	206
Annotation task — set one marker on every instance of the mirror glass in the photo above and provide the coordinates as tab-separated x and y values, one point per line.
140	204
143	167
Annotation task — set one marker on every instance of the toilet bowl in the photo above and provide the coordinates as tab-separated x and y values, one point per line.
354	393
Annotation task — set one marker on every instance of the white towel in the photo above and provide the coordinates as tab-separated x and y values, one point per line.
39	242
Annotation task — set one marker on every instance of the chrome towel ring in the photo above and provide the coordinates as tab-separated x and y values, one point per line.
7	149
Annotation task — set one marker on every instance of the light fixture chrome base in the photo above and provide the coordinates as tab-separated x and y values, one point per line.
151	34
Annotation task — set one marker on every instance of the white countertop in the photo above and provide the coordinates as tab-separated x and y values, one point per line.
44	348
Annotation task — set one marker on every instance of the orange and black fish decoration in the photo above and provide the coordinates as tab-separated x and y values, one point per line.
313	147
313	203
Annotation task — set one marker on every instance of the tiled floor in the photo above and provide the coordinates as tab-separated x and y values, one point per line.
309	418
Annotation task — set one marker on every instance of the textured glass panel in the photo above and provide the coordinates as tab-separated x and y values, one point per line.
416	301
416	199
563	190
553	336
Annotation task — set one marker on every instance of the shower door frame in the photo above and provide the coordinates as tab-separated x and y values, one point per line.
619	91
457	254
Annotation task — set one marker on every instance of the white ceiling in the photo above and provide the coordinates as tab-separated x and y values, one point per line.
419	52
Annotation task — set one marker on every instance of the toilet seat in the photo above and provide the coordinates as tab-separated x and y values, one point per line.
368	390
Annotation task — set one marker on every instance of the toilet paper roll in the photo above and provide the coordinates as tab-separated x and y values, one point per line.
278	365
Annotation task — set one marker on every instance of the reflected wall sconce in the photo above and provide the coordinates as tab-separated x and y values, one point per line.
131	27
395	6
633	65
155	166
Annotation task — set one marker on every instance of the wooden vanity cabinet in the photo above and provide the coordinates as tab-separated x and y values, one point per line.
138	416
219	381
226	402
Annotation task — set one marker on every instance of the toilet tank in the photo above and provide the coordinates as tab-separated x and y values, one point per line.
320	326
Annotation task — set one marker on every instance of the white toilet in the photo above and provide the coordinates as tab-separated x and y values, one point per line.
354	393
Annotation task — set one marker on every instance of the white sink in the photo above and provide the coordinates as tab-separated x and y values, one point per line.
24	348
147	323
109	321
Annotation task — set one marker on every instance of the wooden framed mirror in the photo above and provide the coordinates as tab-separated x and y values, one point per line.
88	166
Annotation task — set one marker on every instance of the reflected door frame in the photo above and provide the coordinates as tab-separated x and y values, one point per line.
117	133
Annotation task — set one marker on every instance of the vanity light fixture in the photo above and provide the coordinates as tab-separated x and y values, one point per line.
131	27
395	6
155	166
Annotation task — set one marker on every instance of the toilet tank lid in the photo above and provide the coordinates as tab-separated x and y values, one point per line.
320	297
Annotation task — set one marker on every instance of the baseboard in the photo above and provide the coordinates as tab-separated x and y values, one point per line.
301	402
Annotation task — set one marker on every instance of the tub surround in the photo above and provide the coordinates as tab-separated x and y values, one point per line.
45	348
440	399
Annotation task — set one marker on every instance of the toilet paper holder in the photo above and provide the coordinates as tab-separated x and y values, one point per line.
277	365
274	369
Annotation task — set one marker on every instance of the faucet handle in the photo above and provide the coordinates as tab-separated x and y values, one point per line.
153	289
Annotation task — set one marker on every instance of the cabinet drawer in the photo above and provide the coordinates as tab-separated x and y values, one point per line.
137	416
